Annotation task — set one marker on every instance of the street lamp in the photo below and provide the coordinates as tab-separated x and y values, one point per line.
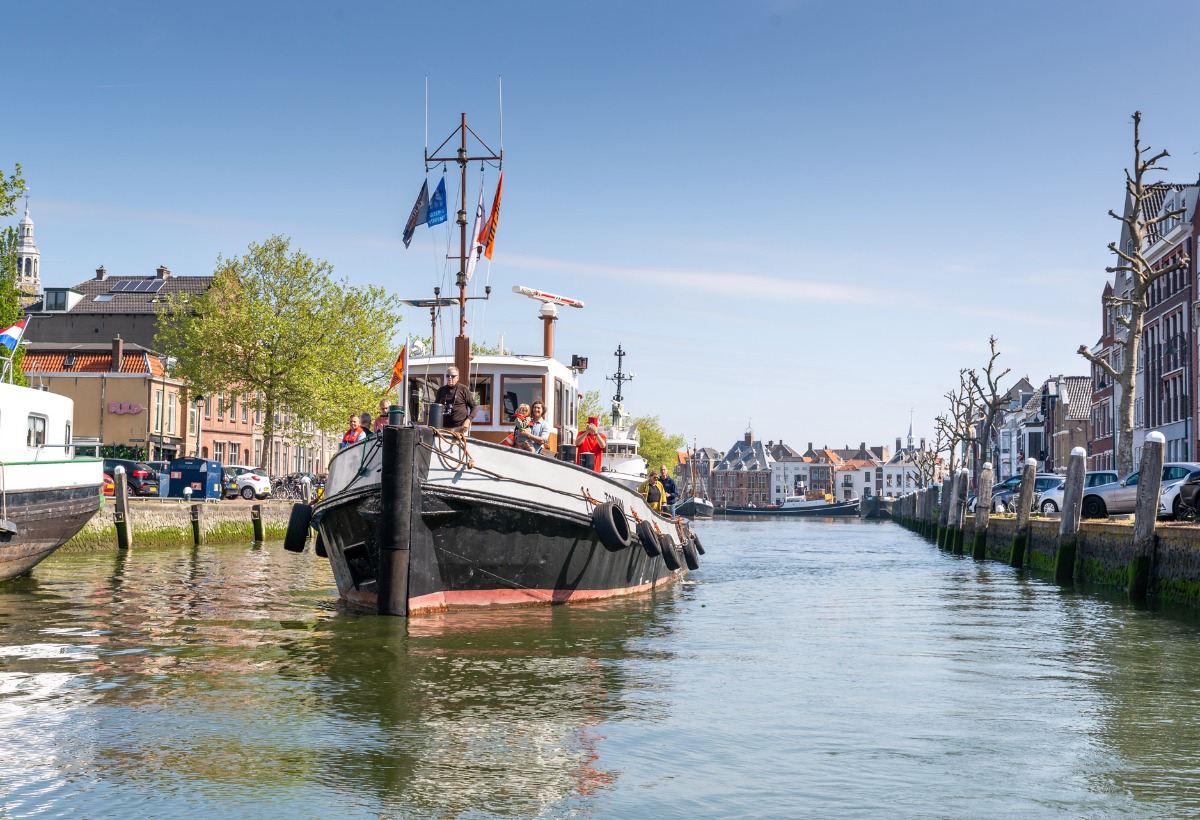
199	421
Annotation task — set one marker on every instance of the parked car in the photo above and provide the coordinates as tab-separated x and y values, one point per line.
143	479
1006	499
1006	484
110	488
1189	497
1169	500
1121	497
248	482
1051	501
1098	478
164	476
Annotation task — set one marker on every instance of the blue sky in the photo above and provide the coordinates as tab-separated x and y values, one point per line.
808	215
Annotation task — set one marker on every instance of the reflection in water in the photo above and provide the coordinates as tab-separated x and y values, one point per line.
810	668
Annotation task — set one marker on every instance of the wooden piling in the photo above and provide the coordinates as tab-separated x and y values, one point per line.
1146	515
959	511
1024	503
983	512
197	514
257	522
944	511
121	509
1068	529
397	452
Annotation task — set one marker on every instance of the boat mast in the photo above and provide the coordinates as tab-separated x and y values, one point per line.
620	379
462	344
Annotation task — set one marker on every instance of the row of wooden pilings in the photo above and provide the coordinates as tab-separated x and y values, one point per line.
124	526
945	523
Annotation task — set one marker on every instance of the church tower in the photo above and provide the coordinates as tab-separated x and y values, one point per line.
29	274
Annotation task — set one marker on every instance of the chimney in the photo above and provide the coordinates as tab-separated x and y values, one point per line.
922	444
749	437
118	353
162	272
809	450
897	444
770	443
862	445
101	273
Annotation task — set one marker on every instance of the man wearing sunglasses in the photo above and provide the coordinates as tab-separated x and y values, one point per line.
458	405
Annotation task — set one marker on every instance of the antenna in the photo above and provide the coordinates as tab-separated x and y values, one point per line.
548	313
620	378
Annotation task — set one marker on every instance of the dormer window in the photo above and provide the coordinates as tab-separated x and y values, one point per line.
56	300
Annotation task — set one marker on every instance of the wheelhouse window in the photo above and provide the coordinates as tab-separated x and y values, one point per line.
518	390
422	390
481	386
36	431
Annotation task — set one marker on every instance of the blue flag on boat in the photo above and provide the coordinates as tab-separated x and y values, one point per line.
418	214
437	206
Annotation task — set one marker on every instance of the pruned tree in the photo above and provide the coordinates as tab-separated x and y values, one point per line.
926	461
957	427
276	325
1130	307
987	396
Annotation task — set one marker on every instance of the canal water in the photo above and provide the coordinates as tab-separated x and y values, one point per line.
823	669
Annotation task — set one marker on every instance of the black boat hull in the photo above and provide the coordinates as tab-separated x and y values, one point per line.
486	536
827	511
45	519
694	509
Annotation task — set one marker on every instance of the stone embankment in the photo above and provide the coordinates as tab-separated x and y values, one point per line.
1156	560
167	522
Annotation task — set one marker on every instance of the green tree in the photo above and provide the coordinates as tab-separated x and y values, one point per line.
657	446
11	189
588	406
278	328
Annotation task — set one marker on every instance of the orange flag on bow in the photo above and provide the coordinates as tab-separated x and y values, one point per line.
487	237
398	369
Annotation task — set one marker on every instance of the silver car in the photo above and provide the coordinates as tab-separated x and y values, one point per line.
1121	497
1051	501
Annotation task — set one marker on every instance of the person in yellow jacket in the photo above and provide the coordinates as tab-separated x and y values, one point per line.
656	495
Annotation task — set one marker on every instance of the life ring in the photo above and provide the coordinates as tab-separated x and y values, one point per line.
611	525
649	539
689	554
670	557
297	528
696	541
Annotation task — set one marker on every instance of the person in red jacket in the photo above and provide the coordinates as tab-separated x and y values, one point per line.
591	441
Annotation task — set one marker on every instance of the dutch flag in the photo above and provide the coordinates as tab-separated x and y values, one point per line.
10	336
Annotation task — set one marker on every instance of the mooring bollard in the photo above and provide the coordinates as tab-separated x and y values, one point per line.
1068	529
121	509
1146	515
306	489
1024	503
256	522
197	511
929	527
395	486
983	512
959	511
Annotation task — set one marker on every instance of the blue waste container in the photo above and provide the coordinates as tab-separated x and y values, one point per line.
201	474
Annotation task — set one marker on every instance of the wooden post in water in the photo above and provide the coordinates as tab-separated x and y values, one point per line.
197	511
931	527
395	486
983	512
256	522
959	511
1024	503
1146	515
1068	529
121	509
944	511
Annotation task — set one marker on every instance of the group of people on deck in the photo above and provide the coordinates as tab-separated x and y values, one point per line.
363	427
661	490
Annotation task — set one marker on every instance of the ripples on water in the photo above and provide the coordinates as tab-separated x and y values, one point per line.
809	669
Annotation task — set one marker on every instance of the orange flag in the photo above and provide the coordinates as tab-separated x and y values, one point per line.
487	237
398	368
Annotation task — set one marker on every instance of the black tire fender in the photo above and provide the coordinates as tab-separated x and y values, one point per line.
649	538
699	546
319	547
297	529
689	554
612	526
669	556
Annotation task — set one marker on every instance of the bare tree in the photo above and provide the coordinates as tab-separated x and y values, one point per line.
987	394
1129	309
957	426
926	461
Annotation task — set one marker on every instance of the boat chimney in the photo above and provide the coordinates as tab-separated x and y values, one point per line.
549	313
118	354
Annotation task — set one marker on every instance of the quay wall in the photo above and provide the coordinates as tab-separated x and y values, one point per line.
168	522
1104	552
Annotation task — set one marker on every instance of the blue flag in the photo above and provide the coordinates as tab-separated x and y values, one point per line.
437	206
418	214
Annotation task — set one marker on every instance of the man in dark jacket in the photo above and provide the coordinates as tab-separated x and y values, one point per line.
457	402
669	485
